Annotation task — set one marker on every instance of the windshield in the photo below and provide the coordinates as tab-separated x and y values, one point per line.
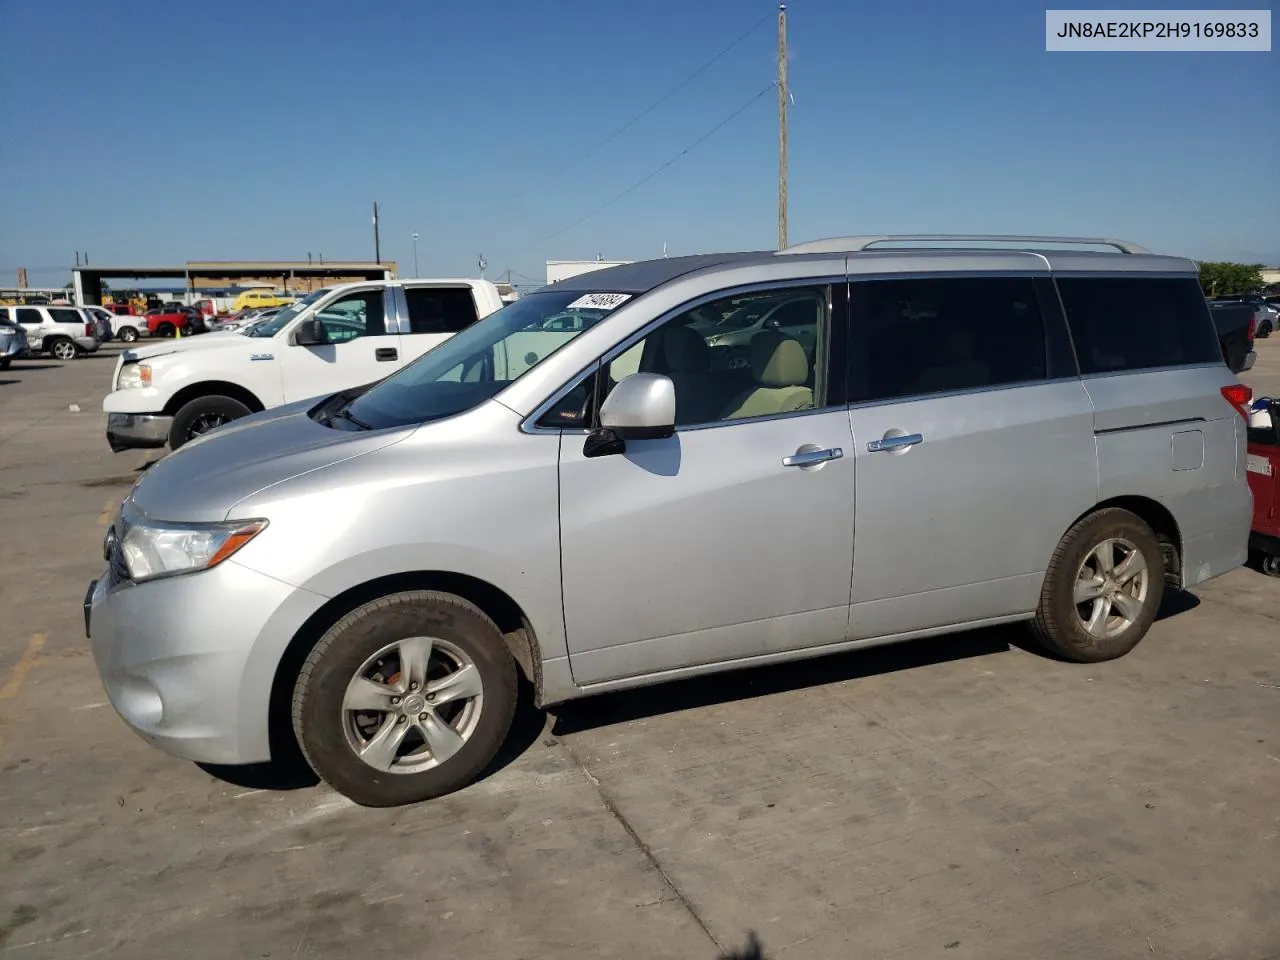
281	320
476	364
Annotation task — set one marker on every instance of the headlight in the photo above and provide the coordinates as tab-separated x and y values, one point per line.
134	375
152	549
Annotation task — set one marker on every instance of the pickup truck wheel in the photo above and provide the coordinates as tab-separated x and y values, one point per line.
1103	588
63	349
201	415
406	698
128	334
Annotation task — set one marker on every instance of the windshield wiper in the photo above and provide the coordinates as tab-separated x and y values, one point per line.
350	417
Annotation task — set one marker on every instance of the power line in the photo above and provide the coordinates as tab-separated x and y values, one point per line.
649	176
582	155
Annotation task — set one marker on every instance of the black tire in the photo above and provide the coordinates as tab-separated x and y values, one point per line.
127	334
61	348
201	415
319	720
1264	330
165	330
1058	624
1271	566
4	362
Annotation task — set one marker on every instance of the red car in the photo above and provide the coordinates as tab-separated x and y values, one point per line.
165	321
1264	481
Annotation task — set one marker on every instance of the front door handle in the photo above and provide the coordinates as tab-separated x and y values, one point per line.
888	444
809	457
385	353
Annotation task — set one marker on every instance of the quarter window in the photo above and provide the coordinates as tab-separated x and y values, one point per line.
920	336
1136	323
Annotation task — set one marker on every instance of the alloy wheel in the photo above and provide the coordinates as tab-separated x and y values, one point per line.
412	705
1111	588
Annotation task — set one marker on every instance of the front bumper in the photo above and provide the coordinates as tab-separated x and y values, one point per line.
137	431
188	662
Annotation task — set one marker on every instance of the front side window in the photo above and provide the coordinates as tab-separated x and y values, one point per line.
918	336
440	309
477	363
746	355
282	319
1136	323
355	315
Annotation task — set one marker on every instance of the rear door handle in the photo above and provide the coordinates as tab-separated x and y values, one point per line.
385	353
889	444
807	458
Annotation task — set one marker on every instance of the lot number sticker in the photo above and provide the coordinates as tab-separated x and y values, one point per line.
1259	464
599	301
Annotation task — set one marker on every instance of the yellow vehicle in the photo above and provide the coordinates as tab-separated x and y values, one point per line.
253	299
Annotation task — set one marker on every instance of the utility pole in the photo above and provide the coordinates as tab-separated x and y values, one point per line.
415	253
77	258
377	247
782	126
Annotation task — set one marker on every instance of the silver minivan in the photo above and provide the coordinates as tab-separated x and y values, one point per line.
965	432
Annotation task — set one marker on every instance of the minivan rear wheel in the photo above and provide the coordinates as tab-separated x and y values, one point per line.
1102	589
406	698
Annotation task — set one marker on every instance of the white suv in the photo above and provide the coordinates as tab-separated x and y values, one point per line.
63	332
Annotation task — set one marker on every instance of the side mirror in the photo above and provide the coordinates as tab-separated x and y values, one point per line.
641	407
311	333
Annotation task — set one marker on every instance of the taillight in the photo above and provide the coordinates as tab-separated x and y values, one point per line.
1253	325
88	330
1238	395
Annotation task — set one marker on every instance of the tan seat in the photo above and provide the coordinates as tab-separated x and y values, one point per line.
781	370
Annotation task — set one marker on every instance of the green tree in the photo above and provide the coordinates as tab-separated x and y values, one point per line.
1227	279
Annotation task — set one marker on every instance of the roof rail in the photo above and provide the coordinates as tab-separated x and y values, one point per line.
858	244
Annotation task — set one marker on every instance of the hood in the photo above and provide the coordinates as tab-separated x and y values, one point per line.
205	478
204	341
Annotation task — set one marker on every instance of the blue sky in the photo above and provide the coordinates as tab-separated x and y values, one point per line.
165	131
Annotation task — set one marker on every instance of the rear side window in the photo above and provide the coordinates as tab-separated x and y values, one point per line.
1137	323
933	335
27	315
440	309
66	316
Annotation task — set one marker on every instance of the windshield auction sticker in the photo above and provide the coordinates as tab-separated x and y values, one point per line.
1142	31
599	301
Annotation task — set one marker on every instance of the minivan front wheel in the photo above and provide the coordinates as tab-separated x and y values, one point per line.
1103	588
406	698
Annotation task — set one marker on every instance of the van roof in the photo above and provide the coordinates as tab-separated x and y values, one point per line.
933	252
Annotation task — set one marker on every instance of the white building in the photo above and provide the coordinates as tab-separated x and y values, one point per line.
564	269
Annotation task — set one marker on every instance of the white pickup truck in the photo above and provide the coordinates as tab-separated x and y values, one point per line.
333	339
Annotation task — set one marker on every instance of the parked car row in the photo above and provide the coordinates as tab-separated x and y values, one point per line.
587	488
63	333
1266	311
